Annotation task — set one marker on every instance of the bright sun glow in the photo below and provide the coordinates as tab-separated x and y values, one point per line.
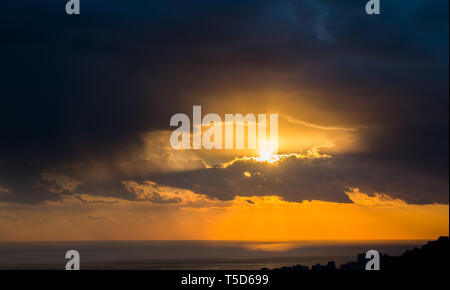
266	152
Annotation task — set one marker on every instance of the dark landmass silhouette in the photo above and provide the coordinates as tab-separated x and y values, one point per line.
434	256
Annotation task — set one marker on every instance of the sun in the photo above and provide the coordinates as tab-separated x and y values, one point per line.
267	152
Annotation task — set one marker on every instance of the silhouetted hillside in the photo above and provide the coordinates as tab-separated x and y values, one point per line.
434	256
430	257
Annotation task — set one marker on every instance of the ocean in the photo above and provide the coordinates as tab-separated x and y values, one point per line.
190	255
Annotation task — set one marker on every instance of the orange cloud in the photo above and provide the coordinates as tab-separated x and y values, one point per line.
196	217
377	217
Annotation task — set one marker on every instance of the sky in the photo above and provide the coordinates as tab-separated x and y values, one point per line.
86	102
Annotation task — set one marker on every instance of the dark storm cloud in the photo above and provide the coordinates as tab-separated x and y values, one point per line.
79	88
292	178
311	179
